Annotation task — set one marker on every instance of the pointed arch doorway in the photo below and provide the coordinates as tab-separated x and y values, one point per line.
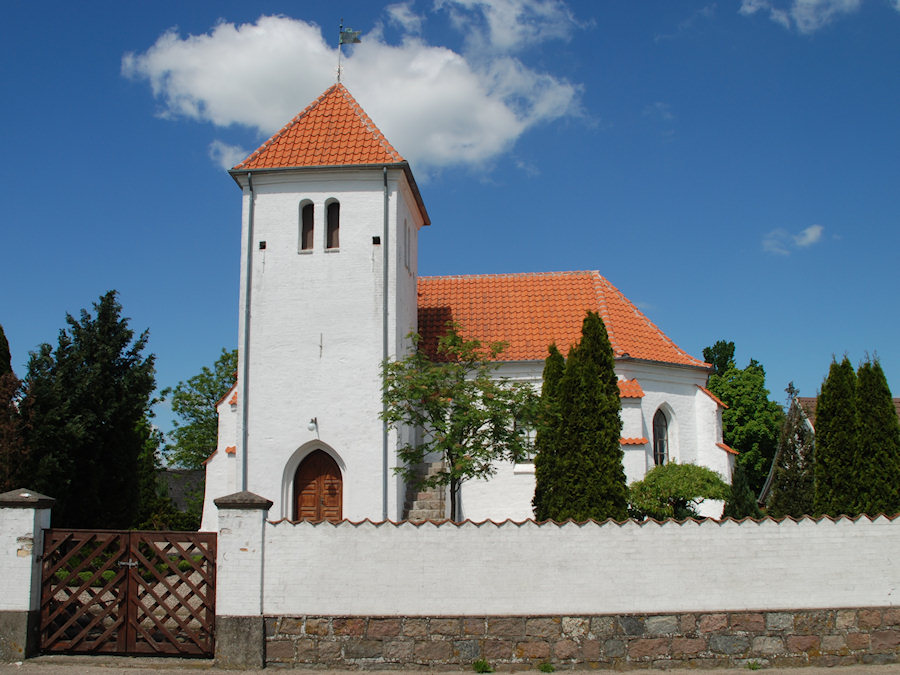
318	489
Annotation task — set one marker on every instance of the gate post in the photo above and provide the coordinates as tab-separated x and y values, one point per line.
24	515
240	625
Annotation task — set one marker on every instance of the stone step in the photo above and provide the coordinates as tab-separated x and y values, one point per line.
428	505
425	514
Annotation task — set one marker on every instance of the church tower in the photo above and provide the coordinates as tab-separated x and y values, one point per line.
331	216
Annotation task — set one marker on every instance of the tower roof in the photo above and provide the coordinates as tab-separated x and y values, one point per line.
530	311
333	131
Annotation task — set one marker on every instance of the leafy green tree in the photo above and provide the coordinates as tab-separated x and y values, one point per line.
589	457
546	442
469	416
83	407
742	502
720	356
837	484
791	493
879	443
751	422
675	491
194	401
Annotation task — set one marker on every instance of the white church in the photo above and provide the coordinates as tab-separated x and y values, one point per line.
329	288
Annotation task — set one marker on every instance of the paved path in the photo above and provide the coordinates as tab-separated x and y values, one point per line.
108	665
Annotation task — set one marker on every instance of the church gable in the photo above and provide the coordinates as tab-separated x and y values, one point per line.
531	311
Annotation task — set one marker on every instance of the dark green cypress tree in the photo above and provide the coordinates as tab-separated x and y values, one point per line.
791	493
546	478
742	503
5	356
837	442
590	455
13	452
879	443
83	406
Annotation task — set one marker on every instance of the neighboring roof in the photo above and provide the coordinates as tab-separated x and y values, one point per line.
712	396
808	406
531	311
333	131
630	389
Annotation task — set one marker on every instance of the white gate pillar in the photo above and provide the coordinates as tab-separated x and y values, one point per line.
24	515
240	625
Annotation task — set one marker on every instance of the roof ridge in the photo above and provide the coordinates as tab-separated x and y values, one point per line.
508	274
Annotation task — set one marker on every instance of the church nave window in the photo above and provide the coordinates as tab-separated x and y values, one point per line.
660	438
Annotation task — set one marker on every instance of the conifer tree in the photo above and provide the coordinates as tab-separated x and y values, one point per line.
83	406
13	454
879	443
590	456
791	492
837	443
5	356
742	503
546	442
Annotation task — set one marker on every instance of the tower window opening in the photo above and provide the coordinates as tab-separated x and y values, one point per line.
306	227
333	231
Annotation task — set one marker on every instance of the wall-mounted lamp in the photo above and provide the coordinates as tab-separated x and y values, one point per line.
313	424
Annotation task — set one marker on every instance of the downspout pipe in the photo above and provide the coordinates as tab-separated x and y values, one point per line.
245	347
384	350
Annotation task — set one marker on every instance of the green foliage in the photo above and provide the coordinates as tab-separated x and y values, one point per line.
791	493
742	503
14	458
546	442
751	422
675	490
194	401
482	666
5	356
469	417
589	479
83	407
720	356
547	667
837	466
879	443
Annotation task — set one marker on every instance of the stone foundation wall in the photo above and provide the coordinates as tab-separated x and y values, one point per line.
704	640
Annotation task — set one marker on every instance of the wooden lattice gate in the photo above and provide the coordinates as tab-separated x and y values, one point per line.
128	592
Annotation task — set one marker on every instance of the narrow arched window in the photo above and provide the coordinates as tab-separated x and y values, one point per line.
660	438
333	231
306	227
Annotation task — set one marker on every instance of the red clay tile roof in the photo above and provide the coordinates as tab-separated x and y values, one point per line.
712	396
728	449
333	131
630	389
633	441
809	404
531	311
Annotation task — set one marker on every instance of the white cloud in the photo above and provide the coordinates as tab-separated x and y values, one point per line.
809	236
225	155
438	107
659	110
780	242
510	25
807	16
401	14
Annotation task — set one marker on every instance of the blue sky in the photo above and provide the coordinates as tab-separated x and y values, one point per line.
731	167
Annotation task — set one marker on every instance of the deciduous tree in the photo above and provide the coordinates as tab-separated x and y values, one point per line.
83	407
791	493
194	401
675	491
720	356
469	416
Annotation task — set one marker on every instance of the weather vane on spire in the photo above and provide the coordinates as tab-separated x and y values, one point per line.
347	37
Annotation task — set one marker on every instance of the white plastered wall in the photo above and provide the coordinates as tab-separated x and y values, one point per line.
221	466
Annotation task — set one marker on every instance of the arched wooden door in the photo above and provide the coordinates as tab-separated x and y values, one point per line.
318	488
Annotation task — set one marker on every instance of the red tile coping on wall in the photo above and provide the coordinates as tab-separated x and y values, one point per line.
231	391
231	450
332	131
530	311
728	449
633	441
712	396
630	389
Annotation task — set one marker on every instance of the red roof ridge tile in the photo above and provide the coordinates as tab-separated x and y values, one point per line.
727	448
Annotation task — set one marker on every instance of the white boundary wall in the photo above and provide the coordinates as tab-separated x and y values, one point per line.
529	569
